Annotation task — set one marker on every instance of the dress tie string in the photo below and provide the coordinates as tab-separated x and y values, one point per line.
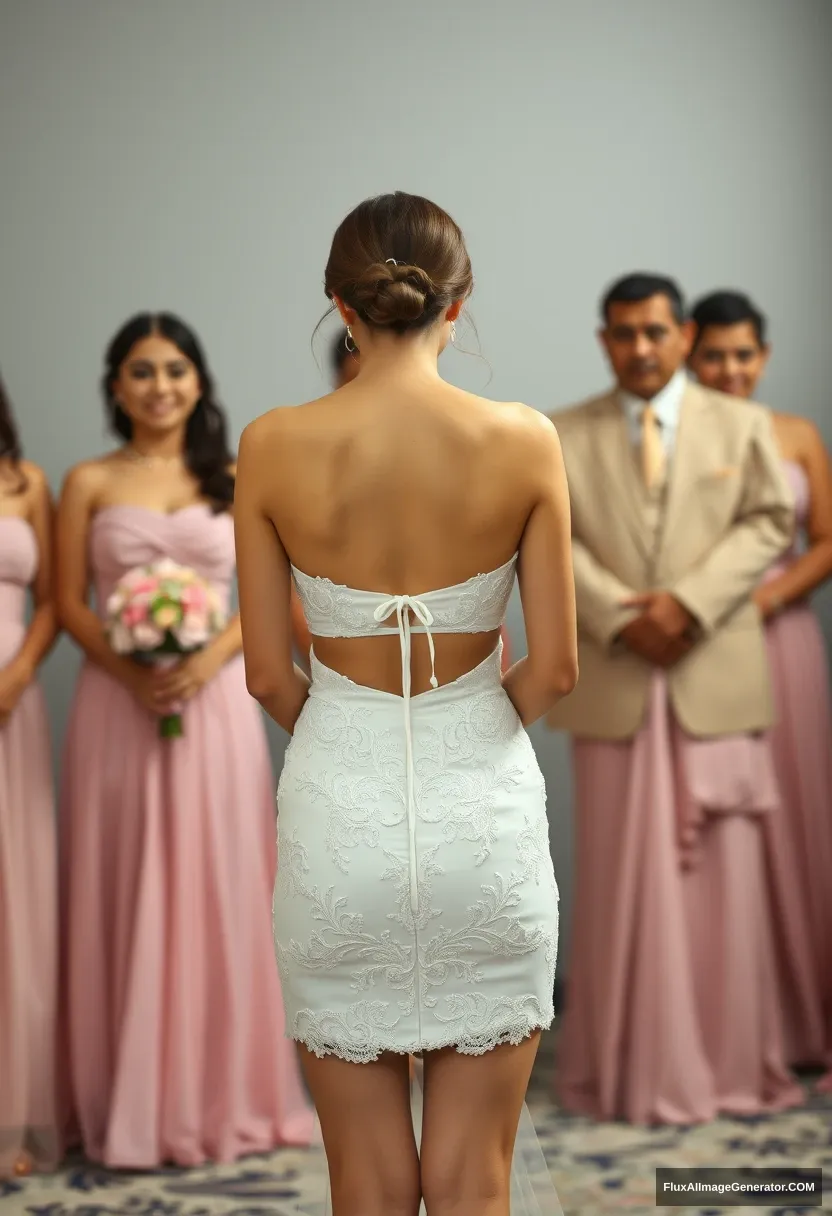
403	605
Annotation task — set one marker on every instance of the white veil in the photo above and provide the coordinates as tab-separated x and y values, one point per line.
532	1190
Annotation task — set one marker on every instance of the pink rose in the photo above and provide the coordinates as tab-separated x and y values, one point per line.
134	613
140	584
194	598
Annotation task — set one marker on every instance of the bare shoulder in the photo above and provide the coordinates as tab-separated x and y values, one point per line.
37	487
523	419
531	443
802	434
276	426
258	440
21	478
34	474
536	427
519	427
87	479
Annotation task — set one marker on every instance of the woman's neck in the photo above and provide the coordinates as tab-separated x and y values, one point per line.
151	445
390	357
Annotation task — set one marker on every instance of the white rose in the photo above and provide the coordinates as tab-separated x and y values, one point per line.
193	631
165	568
147	637
121	639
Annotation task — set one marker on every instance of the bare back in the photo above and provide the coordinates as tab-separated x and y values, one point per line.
400	488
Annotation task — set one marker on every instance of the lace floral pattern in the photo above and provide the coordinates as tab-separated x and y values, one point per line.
469	961
476	606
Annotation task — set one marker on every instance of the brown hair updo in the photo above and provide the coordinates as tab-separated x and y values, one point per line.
399	261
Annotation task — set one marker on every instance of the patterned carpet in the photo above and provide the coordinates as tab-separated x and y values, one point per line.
597	1168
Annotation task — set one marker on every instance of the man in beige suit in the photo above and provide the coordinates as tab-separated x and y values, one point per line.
678	506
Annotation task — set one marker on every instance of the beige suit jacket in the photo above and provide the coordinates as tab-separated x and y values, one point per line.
728	515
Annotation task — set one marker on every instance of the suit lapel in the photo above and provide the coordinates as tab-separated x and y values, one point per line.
691	455
620	485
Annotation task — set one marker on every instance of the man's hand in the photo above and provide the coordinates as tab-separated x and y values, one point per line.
665	631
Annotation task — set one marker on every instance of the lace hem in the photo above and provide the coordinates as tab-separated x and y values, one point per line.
512	1033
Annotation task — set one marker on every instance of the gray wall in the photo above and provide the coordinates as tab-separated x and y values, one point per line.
196	155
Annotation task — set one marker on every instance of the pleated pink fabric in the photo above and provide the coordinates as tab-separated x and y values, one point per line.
799	842
672	1013
174	1020
28	889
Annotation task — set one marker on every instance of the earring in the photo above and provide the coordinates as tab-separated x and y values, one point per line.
453	331
348	342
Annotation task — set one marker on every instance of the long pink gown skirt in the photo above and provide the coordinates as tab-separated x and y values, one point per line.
28	889
671	1013
799	843
174	1016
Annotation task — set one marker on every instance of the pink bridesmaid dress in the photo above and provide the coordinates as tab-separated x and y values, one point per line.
174	1018
800	840
28	889
672	1011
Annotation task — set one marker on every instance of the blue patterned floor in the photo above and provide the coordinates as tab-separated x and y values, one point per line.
597	1168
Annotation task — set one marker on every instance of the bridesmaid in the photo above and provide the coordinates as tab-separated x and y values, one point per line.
174	1020
344	367
731	354
28	852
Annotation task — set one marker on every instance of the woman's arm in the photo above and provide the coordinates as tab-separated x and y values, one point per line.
18	674
813	567
75	511
43	627
264	582
229	643
547	587
300	629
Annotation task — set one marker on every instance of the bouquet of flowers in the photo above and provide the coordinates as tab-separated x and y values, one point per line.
159	613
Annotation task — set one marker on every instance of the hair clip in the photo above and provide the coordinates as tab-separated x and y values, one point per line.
393	260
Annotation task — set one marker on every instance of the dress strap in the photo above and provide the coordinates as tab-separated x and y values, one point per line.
403	605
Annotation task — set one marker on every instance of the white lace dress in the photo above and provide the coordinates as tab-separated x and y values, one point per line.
416	905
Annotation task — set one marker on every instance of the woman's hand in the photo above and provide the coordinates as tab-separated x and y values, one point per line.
143	683
185	680
15	678
768	605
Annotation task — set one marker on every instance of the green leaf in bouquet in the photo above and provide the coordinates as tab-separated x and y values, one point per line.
171	726
170	645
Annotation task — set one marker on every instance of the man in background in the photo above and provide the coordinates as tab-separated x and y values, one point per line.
678	505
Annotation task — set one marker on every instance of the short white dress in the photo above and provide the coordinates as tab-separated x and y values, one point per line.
416	905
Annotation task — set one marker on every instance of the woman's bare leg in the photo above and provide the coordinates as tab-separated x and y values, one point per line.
472	1107
367	1130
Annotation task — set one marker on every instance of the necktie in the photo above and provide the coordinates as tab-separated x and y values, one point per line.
652	448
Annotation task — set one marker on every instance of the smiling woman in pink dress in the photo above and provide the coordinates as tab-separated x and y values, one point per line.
28	877
174	1018
731	354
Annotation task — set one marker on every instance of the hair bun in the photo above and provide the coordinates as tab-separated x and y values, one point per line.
398	296
391	293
